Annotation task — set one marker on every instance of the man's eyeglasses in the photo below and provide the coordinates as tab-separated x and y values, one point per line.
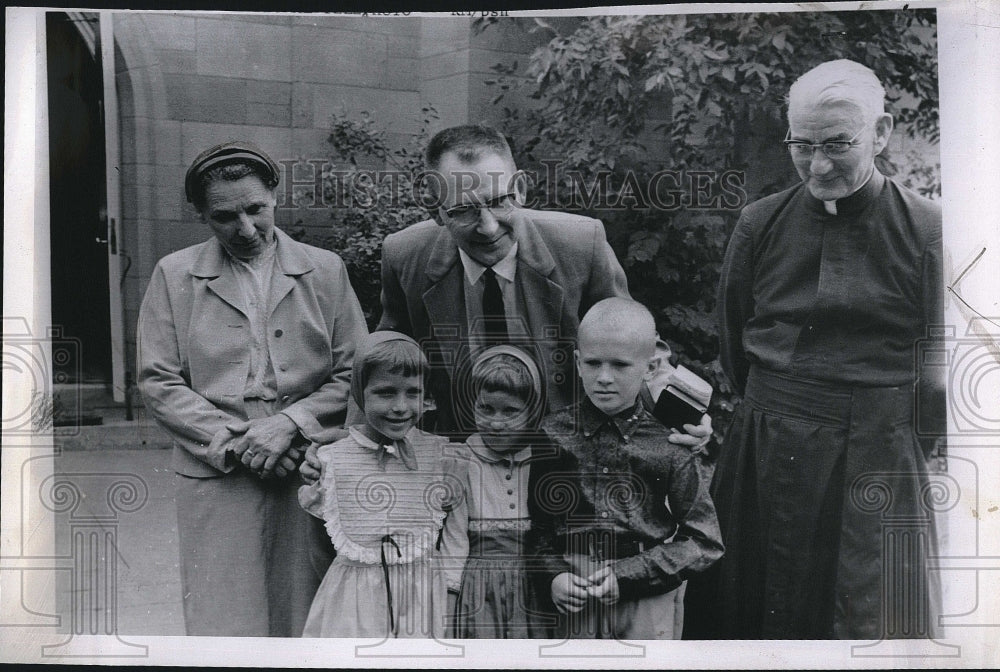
832	148
468	214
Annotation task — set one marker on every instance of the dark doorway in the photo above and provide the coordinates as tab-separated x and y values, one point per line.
78	228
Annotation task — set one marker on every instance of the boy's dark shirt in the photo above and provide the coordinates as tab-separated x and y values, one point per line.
614	475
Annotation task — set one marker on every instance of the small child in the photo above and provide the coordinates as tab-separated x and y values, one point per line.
622	512
495	598
382	494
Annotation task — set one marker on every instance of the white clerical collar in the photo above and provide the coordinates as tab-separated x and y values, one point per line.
831	206
505	268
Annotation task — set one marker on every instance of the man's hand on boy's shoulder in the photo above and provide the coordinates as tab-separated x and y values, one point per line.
695	436
570	592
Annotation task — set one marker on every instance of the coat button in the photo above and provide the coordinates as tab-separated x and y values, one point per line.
604	514
605	470
507	477
510	492
278	333
513	506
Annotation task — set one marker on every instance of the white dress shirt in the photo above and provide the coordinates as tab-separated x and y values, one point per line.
254	279
474	285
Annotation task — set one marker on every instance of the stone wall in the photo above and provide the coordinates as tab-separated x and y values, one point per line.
188	81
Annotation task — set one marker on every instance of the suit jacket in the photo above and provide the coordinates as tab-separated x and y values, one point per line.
564	266
193	355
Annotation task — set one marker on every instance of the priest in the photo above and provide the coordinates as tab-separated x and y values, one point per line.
826	290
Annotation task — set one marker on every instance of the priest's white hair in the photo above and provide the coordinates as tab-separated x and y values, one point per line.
840	81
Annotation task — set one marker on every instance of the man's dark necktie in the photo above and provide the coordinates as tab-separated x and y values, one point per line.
493	312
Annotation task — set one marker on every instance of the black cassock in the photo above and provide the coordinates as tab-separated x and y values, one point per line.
821	486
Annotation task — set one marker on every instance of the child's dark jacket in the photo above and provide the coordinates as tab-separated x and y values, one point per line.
619	478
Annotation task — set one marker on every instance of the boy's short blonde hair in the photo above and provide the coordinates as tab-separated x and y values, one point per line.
618	314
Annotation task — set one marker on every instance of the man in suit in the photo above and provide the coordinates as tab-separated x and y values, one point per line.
487	270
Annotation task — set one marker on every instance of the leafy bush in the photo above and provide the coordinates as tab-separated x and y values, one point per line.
372	190
721	82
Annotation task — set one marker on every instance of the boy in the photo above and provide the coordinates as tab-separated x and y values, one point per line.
621	510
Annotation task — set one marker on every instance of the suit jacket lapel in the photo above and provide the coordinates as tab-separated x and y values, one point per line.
443	256
444	298
542	298
211	263
445	303
290	261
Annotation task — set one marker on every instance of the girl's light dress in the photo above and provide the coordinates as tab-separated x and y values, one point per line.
496	597
384	509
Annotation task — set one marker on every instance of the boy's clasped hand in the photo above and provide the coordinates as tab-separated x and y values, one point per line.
570	591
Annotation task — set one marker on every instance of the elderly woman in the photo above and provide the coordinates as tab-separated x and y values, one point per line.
245	346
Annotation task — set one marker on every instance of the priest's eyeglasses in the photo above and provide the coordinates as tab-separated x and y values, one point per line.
832	148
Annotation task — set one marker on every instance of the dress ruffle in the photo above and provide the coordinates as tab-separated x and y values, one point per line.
320	499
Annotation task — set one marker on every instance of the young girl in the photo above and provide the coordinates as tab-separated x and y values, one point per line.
496	598
382	494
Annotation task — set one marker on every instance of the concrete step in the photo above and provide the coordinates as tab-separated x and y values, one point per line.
91	404
85	396
144	435
115	433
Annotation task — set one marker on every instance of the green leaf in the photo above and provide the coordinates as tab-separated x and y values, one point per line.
643	247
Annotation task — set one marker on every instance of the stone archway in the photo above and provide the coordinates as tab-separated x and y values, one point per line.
146	141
